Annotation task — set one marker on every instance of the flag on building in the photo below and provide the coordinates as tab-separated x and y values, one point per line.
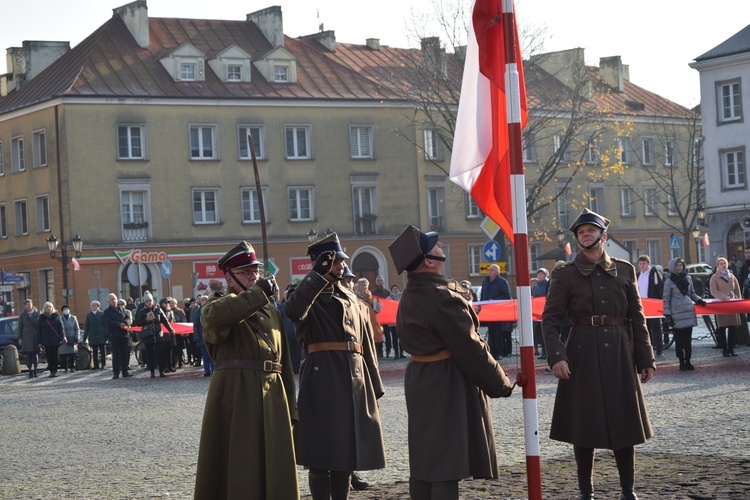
76	265
705	240
480	161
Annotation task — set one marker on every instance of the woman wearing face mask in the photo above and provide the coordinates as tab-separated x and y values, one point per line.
68	349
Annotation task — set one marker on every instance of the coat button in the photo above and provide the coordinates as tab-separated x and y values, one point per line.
309	278
351	338
606	344
315	369
356	371
269	349
557	353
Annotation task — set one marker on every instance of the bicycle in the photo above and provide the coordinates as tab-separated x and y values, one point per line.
666	330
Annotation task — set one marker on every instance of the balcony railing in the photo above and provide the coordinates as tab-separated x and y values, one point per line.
135	231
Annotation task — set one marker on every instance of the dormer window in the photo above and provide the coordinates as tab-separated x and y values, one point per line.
187	71
185	64
281	74
234	73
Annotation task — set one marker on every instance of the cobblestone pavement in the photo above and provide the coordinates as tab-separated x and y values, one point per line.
84	435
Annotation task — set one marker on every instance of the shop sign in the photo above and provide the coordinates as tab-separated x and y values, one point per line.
137	255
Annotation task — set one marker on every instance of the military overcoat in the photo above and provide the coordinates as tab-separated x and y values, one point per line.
450	423
601	405
246	445
339	422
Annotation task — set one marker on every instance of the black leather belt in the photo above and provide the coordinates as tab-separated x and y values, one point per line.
334	346
264	366
600	321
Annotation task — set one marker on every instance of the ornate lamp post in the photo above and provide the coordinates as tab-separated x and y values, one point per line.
560	235
312	236
696	235
77	247
701	213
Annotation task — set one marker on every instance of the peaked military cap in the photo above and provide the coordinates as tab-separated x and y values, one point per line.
327	244
242	255
409	249
588	217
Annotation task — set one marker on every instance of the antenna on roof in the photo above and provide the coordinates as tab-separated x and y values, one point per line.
320	25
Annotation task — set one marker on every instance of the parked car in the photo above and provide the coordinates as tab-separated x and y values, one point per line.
8	331
700	273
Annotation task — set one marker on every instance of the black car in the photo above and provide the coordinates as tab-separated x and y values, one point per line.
8	331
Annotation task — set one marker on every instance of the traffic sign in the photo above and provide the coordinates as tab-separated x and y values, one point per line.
489	227
272	269
6	288
674	242
12	279
484	267
492	251
165	269
8	274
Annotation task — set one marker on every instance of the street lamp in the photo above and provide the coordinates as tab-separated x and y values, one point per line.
560	234
77	246
696	235
312	235
701	213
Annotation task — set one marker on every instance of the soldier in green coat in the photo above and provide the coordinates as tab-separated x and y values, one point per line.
246	446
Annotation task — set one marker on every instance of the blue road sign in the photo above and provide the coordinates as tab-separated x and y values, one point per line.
12	279
674	242
492	251
166	269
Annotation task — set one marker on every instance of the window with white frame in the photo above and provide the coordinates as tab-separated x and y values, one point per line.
475	259
365	214
563	206
733	174
188	70
557	144
472	209
650	201
21	217
529	148
251	205
360	141
535	250
623	147
432	146
257	132
3	221
301	204
592	150
18	163
205	206
670	152
133	207
627	199
203	142
673	195
234	72
2	159
647	150
653	250
436	207
280	73
297	142
632	248
596	199
42	214
131	142
729	97
39	144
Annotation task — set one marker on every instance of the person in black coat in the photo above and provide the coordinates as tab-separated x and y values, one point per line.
150	317
116	319
499	334
651	286
52	335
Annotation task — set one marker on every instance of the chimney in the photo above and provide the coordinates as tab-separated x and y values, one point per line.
26	62
326	38
432	54
611	72
270	22
373	43
568	66
135	16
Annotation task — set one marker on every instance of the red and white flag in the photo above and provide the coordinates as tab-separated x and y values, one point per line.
705	240
480	161
76	265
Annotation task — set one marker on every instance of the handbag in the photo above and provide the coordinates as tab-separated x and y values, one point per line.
147	331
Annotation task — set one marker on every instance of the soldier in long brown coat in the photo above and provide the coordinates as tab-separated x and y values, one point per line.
599	402
450	377
339	424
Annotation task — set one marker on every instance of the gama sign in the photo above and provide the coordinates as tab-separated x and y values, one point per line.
135	255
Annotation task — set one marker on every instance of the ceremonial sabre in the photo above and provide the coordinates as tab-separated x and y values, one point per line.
260	203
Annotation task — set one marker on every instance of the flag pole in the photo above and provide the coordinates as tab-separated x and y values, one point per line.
526	378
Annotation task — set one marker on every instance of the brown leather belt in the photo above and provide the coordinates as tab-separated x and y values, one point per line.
600	321
429	358
264	366
335	346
